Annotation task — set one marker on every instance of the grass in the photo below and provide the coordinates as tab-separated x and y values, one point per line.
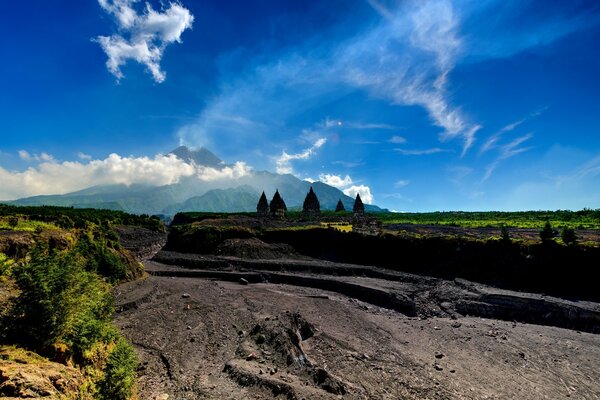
24	225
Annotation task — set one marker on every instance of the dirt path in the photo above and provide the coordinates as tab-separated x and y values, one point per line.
210	339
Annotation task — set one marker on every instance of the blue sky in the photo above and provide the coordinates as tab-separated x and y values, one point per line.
417	105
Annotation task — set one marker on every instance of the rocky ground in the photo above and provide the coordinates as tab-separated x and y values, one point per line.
225	329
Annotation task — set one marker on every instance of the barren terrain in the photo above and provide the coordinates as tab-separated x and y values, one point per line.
225	327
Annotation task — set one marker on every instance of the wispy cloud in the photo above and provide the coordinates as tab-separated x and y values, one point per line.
422	152
337	123
283	162
143	37
348	164
84	156
506	151
401	183
397	139
26	156
404	61
493	140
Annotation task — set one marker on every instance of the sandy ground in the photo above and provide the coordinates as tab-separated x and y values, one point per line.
210	339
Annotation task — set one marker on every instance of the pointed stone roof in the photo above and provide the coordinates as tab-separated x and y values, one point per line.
359	207
311	203
277	205
262	208
340	206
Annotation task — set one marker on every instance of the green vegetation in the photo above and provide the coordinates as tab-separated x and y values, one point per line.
62	305
568	236
583	219
547	233
31	218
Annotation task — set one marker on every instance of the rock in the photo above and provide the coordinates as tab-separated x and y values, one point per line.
243	281
456	324
163	396
521	354
260	339
439	355
438	367
251	356
186	295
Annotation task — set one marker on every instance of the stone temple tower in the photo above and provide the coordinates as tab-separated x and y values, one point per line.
262	208
359	207
277	206
311	209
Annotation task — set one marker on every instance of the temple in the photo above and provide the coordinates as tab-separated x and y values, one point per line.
359	207
262	208
340	206
311	209
277	206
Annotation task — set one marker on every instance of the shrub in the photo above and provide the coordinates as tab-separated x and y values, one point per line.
13	222
504	234
119	373
568	236
547	233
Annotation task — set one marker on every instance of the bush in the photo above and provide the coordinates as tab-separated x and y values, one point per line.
119	373
547	233
568	236
59	302
504	234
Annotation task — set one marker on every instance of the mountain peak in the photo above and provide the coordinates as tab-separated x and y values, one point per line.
202	156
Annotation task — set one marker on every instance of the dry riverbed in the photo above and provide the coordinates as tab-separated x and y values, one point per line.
201	338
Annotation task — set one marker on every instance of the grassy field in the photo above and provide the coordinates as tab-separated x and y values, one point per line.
584	219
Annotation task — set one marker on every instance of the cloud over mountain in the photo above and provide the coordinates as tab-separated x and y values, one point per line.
54	177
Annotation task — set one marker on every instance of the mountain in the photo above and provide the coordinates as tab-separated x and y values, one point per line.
202	156
242	198
193	194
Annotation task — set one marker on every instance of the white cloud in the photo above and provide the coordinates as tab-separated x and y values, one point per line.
364	191
397	139
346	185
53	177
149	33
336	180
283	162
401	183
236	171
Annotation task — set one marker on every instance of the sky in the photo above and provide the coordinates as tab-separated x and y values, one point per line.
417	105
